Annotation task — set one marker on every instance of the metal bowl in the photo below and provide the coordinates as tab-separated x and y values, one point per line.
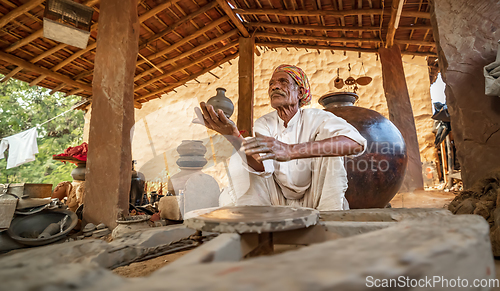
25	229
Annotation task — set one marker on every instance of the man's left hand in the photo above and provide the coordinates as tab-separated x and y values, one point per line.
270	147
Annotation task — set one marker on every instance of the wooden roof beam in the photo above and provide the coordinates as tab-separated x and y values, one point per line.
396	10
339	39
142	18
90	47
187	53
39	33
89	3
179	22
19	11
339	48
74	56
174	85
415	42
177	69
187	39
11	74
43	71
310	27
150	13
337	13
25	41
315	38
234	18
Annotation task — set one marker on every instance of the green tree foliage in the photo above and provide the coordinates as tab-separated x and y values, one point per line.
23	107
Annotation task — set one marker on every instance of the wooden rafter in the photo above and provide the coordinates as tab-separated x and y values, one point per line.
192	33
337	39
396	11
43	71
188	53
39	33
315	38
92	46
310	27
178	23
337	13
339	48
174	85
234	18
177	69
19	11
185	40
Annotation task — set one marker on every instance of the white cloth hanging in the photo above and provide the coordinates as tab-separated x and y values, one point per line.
22	147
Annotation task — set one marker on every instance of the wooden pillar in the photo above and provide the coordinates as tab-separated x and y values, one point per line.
401	113
109	160
245	86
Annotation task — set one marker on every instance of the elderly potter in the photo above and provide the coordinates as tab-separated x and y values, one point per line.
296	156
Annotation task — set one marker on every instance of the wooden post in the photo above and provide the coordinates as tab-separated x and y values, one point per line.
245	86
401	113
109	160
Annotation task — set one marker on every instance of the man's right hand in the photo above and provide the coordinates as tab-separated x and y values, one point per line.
215	121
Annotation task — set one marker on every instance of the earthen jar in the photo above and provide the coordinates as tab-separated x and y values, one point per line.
220	101
375	176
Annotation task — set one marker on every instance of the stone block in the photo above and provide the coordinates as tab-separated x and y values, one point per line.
340	229
382	214
442	245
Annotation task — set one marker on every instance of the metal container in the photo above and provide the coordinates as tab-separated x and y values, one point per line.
25	229
27	190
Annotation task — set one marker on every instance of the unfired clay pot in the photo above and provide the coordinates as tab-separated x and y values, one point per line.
375	176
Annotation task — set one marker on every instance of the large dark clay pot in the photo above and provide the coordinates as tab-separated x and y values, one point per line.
375	176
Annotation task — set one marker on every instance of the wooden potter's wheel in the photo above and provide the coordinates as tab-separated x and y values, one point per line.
251	219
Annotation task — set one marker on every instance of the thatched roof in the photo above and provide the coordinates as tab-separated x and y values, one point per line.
181	40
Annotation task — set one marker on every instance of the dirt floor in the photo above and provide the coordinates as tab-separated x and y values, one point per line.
422	199
145	268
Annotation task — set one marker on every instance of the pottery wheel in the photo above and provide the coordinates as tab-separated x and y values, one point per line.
247	219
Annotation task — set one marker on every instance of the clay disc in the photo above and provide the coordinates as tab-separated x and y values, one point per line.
247	219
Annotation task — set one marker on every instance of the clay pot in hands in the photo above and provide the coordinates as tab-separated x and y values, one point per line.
220	101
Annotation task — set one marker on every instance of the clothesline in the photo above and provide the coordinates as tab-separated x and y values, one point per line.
38	126
54	117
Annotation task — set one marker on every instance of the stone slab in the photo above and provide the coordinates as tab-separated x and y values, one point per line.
446	246
382	214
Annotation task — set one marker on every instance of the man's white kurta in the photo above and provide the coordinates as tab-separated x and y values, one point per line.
314	182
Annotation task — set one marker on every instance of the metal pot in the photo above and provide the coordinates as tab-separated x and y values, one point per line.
25	229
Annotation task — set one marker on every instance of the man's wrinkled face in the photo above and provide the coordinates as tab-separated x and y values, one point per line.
283	90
